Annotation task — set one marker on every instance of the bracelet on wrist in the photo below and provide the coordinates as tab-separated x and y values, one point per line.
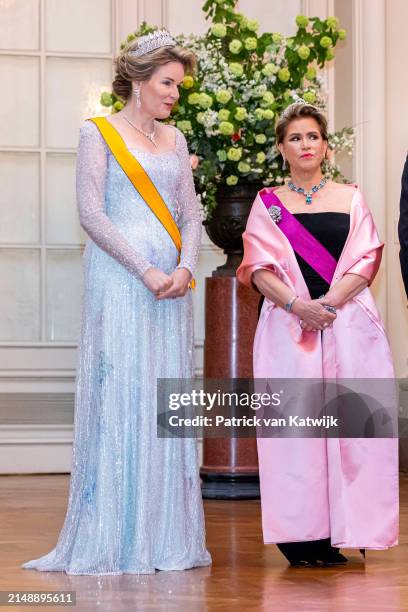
288	306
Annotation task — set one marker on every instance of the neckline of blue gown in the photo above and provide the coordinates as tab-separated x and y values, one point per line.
150	153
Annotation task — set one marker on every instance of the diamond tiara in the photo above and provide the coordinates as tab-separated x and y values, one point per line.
154	40
299	102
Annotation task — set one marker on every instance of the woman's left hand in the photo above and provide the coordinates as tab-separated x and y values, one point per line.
181	279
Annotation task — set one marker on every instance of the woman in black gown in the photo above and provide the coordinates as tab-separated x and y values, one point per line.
322	207
331	230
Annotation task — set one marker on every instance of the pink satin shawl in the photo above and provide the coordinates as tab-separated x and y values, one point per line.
346	489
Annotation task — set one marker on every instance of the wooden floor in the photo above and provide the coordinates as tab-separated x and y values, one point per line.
245	575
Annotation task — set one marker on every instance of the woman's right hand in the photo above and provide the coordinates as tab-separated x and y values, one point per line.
313	315
156	280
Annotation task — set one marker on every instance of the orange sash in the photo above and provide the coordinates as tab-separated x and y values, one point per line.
138	177
140	180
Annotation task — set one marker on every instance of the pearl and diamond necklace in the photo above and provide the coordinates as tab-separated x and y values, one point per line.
149	135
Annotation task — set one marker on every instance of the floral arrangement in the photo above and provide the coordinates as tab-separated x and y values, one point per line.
244	80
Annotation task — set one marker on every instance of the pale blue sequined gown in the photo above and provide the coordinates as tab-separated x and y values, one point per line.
135	502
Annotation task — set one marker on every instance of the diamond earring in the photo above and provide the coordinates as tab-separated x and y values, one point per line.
284	164
136	92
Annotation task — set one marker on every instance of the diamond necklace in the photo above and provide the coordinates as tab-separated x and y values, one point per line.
308	194
149	135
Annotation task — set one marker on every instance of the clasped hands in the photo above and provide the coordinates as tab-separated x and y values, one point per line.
312	314
165	286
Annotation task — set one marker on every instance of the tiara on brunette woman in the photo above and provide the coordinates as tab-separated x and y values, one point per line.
154	40
299	102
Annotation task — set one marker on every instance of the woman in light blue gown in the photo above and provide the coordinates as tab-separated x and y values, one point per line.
135	501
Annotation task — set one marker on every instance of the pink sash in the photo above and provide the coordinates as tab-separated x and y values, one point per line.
302	241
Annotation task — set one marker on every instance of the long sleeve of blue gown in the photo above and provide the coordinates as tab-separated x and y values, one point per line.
92	164
189	221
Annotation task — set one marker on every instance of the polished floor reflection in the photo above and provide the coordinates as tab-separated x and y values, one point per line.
245	574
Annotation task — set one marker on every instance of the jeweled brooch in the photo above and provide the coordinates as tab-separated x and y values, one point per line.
275	213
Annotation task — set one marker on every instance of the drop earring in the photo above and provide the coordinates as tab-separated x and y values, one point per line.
284	164
136	92
325	162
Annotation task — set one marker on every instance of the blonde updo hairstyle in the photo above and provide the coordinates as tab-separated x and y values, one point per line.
130	68
298	111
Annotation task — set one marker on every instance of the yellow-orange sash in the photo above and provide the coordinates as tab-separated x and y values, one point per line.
140	180
138	177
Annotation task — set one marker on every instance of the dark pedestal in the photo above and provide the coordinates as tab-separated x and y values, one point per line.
403	455
403	426
230	465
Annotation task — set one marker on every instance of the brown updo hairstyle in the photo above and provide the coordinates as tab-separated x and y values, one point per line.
298	111
130	68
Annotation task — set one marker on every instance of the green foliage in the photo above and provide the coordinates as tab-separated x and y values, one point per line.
244	81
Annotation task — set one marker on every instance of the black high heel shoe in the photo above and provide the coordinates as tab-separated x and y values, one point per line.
327	555
317	553
298	554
